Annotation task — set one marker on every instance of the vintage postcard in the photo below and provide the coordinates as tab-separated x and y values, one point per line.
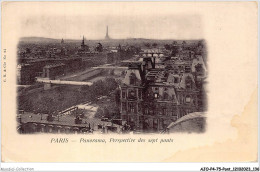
129	82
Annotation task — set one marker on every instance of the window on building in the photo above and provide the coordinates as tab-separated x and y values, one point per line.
176	80
187	69
132	94
141	120
164	111
188	99
175	71
151	111
123	94
174	112
194	101
131	107
139	107
198	68
146	111
140	93
199	84
160	111
132	79
188	82
150	93
123	106
155	123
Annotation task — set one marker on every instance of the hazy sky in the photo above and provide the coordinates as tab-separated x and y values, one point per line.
129	24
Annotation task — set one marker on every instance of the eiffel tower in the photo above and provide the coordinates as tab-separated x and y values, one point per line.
107	37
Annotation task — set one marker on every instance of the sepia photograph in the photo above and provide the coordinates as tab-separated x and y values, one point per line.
129	82
126	85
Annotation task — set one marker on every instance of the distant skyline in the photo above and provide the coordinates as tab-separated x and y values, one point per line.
125	20
94	27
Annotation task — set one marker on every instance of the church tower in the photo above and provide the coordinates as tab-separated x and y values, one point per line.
107	37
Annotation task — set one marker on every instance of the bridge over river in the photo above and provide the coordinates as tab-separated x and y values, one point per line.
79	78
63	82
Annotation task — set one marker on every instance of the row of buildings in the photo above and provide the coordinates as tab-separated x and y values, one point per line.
157	91
47	68
33	63
66	124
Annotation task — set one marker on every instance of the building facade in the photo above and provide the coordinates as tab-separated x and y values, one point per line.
153	97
